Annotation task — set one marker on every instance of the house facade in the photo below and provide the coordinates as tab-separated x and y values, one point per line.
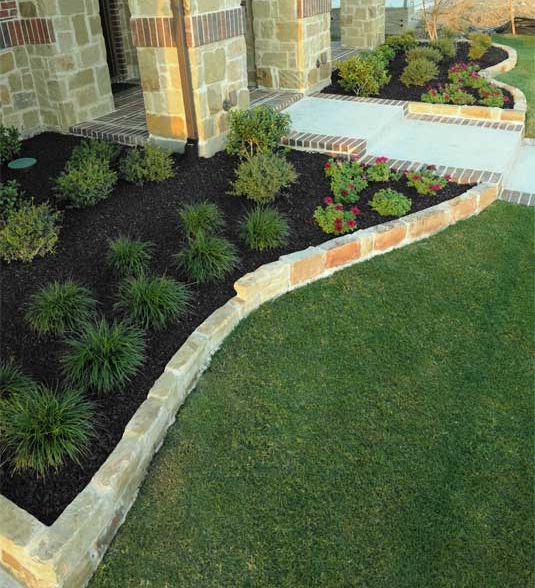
194	59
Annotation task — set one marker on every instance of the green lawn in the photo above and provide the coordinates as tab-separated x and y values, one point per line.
374	429
523	76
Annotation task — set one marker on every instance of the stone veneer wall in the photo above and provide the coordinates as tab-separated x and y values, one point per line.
362	23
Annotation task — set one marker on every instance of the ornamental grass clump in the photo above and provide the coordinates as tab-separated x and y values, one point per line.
388	202
207	258
102	357
129	257
264	228
426	182
347	179
419	71
59	307
42	429
365	74
335	219
152	302
203	216
14	381
479	44
424	52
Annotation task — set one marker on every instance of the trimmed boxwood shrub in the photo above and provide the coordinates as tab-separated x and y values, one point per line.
418	71
388	202
150	163
364	74
87	182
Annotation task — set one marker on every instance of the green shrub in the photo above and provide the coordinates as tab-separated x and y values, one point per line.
129	257
91	149
10	144
264	228
207	258
152	302
492	96
43	429
151	163
379	170
10	198
29	232
446	46
87	183
479	44
203	216
385	51
103	357
347	180
364	74
334	219
402	42
425	182
261	177
448	94
418	71
59	308
14	381
424	52
258	130
388	202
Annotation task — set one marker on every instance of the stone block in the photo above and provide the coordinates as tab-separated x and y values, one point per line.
305	265
189	360
341	251
483	112
267	282
68	7
170	127
487	195
389	235
214	66
513	115
219	324
170	391
82	78
7	62
427	222
80	29
463	206
24	100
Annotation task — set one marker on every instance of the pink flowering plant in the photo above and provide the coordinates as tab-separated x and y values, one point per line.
379	170
426	182
465	74
492	96
335	219
347	180
448	94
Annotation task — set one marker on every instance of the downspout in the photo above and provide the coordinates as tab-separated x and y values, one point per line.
185	68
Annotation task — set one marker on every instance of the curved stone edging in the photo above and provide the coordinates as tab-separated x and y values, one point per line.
66	554
515	115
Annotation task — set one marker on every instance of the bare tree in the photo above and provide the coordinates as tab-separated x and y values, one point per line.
431	12
512	13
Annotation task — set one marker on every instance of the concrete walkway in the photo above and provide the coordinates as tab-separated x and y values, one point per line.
388	131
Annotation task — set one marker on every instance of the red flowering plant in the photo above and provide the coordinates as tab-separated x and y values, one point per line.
465	74
334	219
448	94
347	179
379	170
425	182
490	95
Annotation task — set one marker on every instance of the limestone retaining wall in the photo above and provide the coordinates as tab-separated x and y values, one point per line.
66	554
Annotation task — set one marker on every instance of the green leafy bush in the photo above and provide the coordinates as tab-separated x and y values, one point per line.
446	46
402	42
479	44
91	149
363	74
10	198
388	202
103	357
203	216
10	144
334	219
207	258
152	302
262	176
347	180
448	94
258	130
418	71
379	170
425	182
424	52
386	52
43	429
465	74
151	163
264	228
14	381
129	257
86	183
492	96
29	232
59	307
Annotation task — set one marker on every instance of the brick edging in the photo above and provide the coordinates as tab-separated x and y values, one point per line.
68	552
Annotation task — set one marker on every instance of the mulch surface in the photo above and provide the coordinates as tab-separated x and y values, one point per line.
149	212
396	90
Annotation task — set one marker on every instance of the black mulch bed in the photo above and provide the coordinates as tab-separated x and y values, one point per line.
148	212
396	90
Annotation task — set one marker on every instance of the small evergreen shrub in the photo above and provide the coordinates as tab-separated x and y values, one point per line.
103	357
151	163
43	429
335	219
402	42
363	74
152	302
264	228
86	183
386	52
388	202
262	176
129	257
59	308
14	381
90	149
479	44
418	71
423	52
29	232
203	216
347	180
207	258
258	130
446	46
10	144
10	198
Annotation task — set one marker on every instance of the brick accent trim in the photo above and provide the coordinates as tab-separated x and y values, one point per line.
26	31
325	143
403	103
8	9
152	32
203	29
517	197
312	7
452	120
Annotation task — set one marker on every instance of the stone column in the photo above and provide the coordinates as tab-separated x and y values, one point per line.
293	45
362	23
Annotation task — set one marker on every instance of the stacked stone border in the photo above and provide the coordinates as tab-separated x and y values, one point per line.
67	553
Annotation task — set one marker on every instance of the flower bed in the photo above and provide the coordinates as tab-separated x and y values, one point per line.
150	213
